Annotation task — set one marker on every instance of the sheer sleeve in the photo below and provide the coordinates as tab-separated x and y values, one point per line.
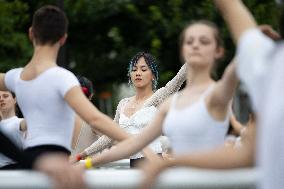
171	87
104	141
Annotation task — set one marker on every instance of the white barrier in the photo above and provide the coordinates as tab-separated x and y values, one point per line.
130	179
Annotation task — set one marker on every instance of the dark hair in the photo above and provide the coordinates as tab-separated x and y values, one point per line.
86	85
219	40
150	61
18	111
49	25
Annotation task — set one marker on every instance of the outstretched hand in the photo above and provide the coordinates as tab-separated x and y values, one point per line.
269	31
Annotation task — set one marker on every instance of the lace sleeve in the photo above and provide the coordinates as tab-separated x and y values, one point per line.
171	87
102	143
105	142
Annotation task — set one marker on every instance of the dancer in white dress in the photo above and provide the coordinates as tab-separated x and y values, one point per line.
134	113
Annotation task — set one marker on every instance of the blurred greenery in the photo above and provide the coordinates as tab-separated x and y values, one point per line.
105	34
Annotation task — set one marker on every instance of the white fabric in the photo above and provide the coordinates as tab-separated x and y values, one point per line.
263	59
49	118
192	128
135	123
11	128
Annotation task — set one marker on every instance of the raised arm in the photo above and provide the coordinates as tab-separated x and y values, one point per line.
171	87
131	146
237	16
2	82
219	99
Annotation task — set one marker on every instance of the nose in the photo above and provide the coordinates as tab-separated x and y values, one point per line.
138	73
195	45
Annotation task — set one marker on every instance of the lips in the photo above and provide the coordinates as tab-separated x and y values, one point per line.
195	54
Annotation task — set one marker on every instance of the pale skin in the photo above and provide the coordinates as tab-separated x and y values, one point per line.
200	50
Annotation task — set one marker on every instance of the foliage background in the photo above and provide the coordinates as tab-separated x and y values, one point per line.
105	34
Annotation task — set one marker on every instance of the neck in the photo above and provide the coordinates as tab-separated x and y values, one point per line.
45	54
8	113
198	77
143	93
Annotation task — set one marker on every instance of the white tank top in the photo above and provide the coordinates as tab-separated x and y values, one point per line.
193	129
11	128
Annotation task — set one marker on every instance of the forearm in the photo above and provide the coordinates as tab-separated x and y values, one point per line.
222	158
236	15
120	151
108	127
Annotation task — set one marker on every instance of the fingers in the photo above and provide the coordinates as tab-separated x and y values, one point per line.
270	32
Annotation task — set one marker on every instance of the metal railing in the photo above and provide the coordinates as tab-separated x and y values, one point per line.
131	178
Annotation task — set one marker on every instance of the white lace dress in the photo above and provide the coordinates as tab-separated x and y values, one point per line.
140	119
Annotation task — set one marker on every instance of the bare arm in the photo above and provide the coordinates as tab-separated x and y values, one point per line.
96	119
220	158
237	16
223	158
219	99
103	142
2	82
131	146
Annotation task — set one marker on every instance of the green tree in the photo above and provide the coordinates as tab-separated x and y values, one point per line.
15	47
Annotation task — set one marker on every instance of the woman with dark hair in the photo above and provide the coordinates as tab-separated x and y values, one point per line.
11	125
134	113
